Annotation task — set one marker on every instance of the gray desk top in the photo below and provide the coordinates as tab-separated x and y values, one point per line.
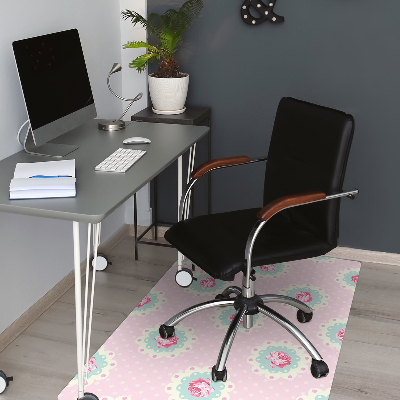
100	193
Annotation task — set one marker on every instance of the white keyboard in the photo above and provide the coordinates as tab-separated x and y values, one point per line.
121	160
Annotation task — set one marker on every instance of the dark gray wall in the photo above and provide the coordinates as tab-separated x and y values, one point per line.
338	53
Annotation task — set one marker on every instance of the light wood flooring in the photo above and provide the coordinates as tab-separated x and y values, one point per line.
42	359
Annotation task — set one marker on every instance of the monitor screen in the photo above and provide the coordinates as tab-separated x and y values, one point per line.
54	82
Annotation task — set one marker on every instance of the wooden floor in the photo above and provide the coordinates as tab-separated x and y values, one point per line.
43	359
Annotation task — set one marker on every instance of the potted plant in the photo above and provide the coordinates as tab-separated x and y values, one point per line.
168	86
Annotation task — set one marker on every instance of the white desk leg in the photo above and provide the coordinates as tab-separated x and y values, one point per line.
96	242
84	327
180	188
192	153
78	308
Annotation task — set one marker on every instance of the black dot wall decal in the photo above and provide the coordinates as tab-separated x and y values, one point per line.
265	12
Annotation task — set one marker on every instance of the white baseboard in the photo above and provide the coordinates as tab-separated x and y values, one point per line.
34	312
377	257
149	235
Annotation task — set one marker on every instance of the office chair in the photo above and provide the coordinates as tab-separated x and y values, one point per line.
303	182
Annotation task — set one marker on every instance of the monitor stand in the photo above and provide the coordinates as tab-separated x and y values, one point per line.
48	149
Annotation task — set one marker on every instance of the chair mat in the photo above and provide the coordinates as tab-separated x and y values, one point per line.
265	362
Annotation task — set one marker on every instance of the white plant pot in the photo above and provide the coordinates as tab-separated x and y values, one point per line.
168	95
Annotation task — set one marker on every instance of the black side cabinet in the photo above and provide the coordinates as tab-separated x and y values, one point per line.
192	116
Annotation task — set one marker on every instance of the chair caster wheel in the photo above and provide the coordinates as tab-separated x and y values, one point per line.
89	396
319	369
4	381
219	375
184	277
167	332
101	262
304	317
224	297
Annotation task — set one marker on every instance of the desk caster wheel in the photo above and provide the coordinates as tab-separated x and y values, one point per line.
89	396
184	277
102	262
319	369
304	317
4	381
219	375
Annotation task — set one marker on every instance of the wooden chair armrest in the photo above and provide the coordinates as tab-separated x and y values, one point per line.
218	162
288	201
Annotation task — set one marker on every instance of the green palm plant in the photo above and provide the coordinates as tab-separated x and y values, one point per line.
168	28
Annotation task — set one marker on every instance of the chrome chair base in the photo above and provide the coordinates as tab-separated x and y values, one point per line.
246	308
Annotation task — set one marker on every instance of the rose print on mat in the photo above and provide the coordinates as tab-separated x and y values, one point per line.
166	343
332	332
222	317
146	300
340	334
152	302
348	278
196	382
277	360
153	345
206	285
315	297
316	394
201	387
305	297
99	367
272	270
91	365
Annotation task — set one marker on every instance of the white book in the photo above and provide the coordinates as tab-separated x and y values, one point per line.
42	183
41	194
43	180
47	168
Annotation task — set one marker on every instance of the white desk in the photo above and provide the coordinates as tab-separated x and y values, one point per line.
98	195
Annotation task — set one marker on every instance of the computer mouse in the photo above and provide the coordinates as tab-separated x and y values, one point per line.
136	140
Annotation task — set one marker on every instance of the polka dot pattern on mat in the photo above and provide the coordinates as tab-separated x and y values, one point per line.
265	362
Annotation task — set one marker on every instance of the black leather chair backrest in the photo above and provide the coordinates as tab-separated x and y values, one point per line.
309	149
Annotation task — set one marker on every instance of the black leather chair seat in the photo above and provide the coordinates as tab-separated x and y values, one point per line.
217	242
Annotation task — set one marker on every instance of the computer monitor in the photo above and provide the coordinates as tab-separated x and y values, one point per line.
56	88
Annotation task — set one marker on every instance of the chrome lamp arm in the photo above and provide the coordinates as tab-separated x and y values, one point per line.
136	98
117	124
273	208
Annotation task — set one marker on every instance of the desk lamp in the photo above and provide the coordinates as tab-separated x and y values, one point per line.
117	124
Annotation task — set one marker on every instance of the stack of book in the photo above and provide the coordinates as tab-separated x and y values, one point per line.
43	180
